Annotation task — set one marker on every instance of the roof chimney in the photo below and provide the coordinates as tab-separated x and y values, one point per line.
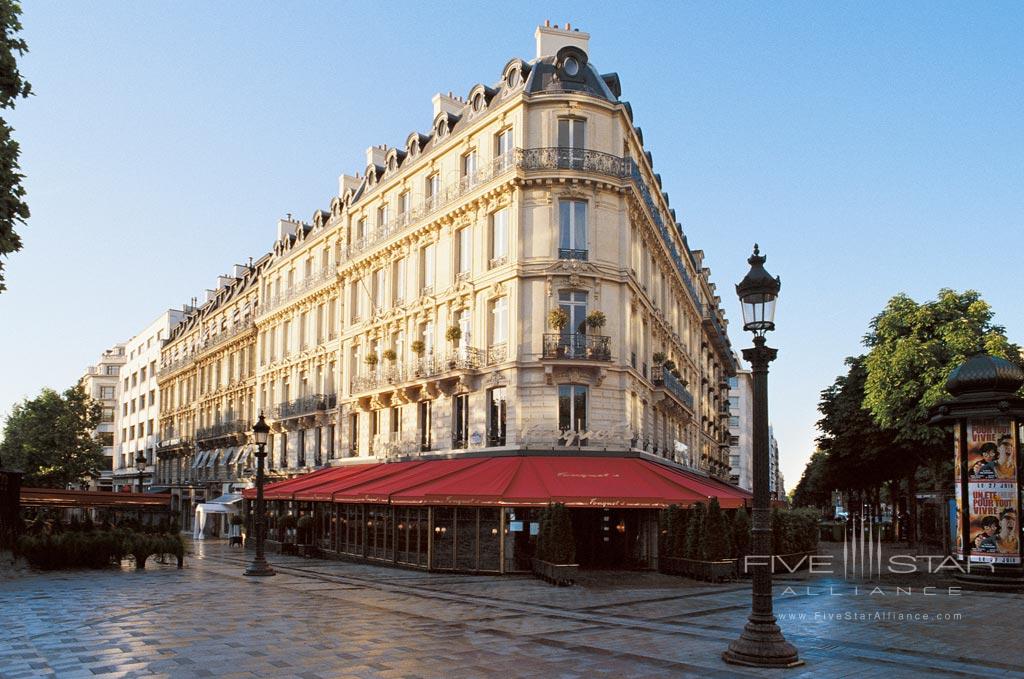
346	182
448	103
550	39
375	155
285	228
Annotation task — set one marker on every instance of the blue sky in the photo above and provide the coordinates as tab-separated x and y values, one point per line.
871	148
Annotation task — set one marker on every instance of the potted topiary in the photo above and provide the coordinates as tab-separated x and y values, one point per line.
556	547
418	347
596	320
558	318
371	361
286	525
453	335
304	536
390	356
657	358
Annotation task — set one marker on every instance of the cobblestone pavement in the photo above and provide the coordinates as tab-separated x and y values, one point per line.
337	619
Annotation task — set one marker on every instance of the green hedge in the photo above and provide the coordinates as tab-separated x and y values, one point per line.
95	548
707	533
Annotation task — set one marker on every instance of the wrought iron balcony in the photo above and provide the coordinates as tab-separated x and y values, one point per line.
212	341
566	158
567	253
665	378
227	428
307	405
577	346
422	367
313	280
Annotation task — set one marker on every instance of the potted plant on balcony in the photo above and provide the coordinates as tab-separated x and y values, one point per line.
304	536
390	356
556	547
558	318
371	361
595	321
453	335
658	358
418	347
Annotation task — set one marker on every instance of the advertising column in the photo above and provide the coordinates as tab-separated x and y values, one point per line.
993	493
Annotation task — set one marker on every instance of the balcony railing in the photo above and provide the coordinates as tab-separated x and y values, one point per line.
578	346
305	285
222	429
223	336
307	405
430	365
568	253
664	378
566	158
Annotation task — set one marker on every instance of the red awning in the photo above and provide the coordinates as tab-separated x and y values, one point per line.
519	481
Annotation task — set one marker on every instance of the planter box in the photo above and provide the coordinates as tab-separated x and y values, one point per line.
556	574
710	571
307	551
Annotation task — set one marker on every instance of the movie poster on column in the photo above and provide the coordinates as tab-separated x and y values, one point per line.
992	492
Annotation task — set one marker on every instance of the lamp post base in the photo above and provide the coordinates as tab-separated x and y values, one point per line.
259	567
762	645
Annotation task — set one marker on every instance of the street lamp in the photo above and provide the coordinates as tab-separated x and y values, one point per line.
761	644
140	465
260	434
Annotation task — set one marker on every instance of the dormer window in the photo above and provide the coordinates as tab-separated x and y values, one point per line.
442	127
571	66
478	103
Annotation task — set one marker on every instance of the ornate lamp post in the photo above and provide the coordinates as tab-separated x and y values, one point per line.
140	466
761	644
985	415
260	433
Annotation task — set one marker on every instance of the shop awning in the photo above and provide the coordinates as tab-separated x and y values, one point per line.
514	481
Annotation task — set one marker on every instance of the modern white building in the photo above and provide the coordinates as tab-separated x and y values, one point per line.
741	428
101	383
138	401
774	476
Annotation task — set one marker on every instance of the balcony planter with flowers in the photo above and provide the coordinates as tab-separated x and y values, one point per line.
558	318
453	335
418	347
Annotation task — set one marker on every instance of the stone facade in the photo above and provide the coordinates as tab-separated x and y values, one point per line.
414	315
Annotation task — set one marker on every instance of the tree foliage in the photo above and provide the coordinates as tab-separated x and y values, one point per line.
50	438
913	349
13	209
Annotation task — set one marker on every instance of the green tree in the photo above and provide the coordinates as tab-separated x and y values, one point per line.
13	209
814	489
694	531
860	454
716	533
50	438
913	348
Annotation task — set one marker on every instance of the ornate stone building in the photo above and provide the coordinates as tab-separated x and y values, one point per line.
502	282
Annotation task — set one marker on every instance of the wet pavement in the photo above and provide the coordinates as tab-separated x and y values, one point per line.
320	618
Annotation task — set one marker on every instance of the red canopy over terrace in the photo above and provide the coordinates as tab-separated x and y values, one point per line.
518	481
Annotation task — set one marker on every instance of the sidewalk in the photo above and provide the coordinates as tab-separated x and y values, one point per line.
321	618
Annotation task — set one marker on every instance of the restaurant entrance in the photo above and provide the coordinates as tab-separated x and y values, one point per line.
610	538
